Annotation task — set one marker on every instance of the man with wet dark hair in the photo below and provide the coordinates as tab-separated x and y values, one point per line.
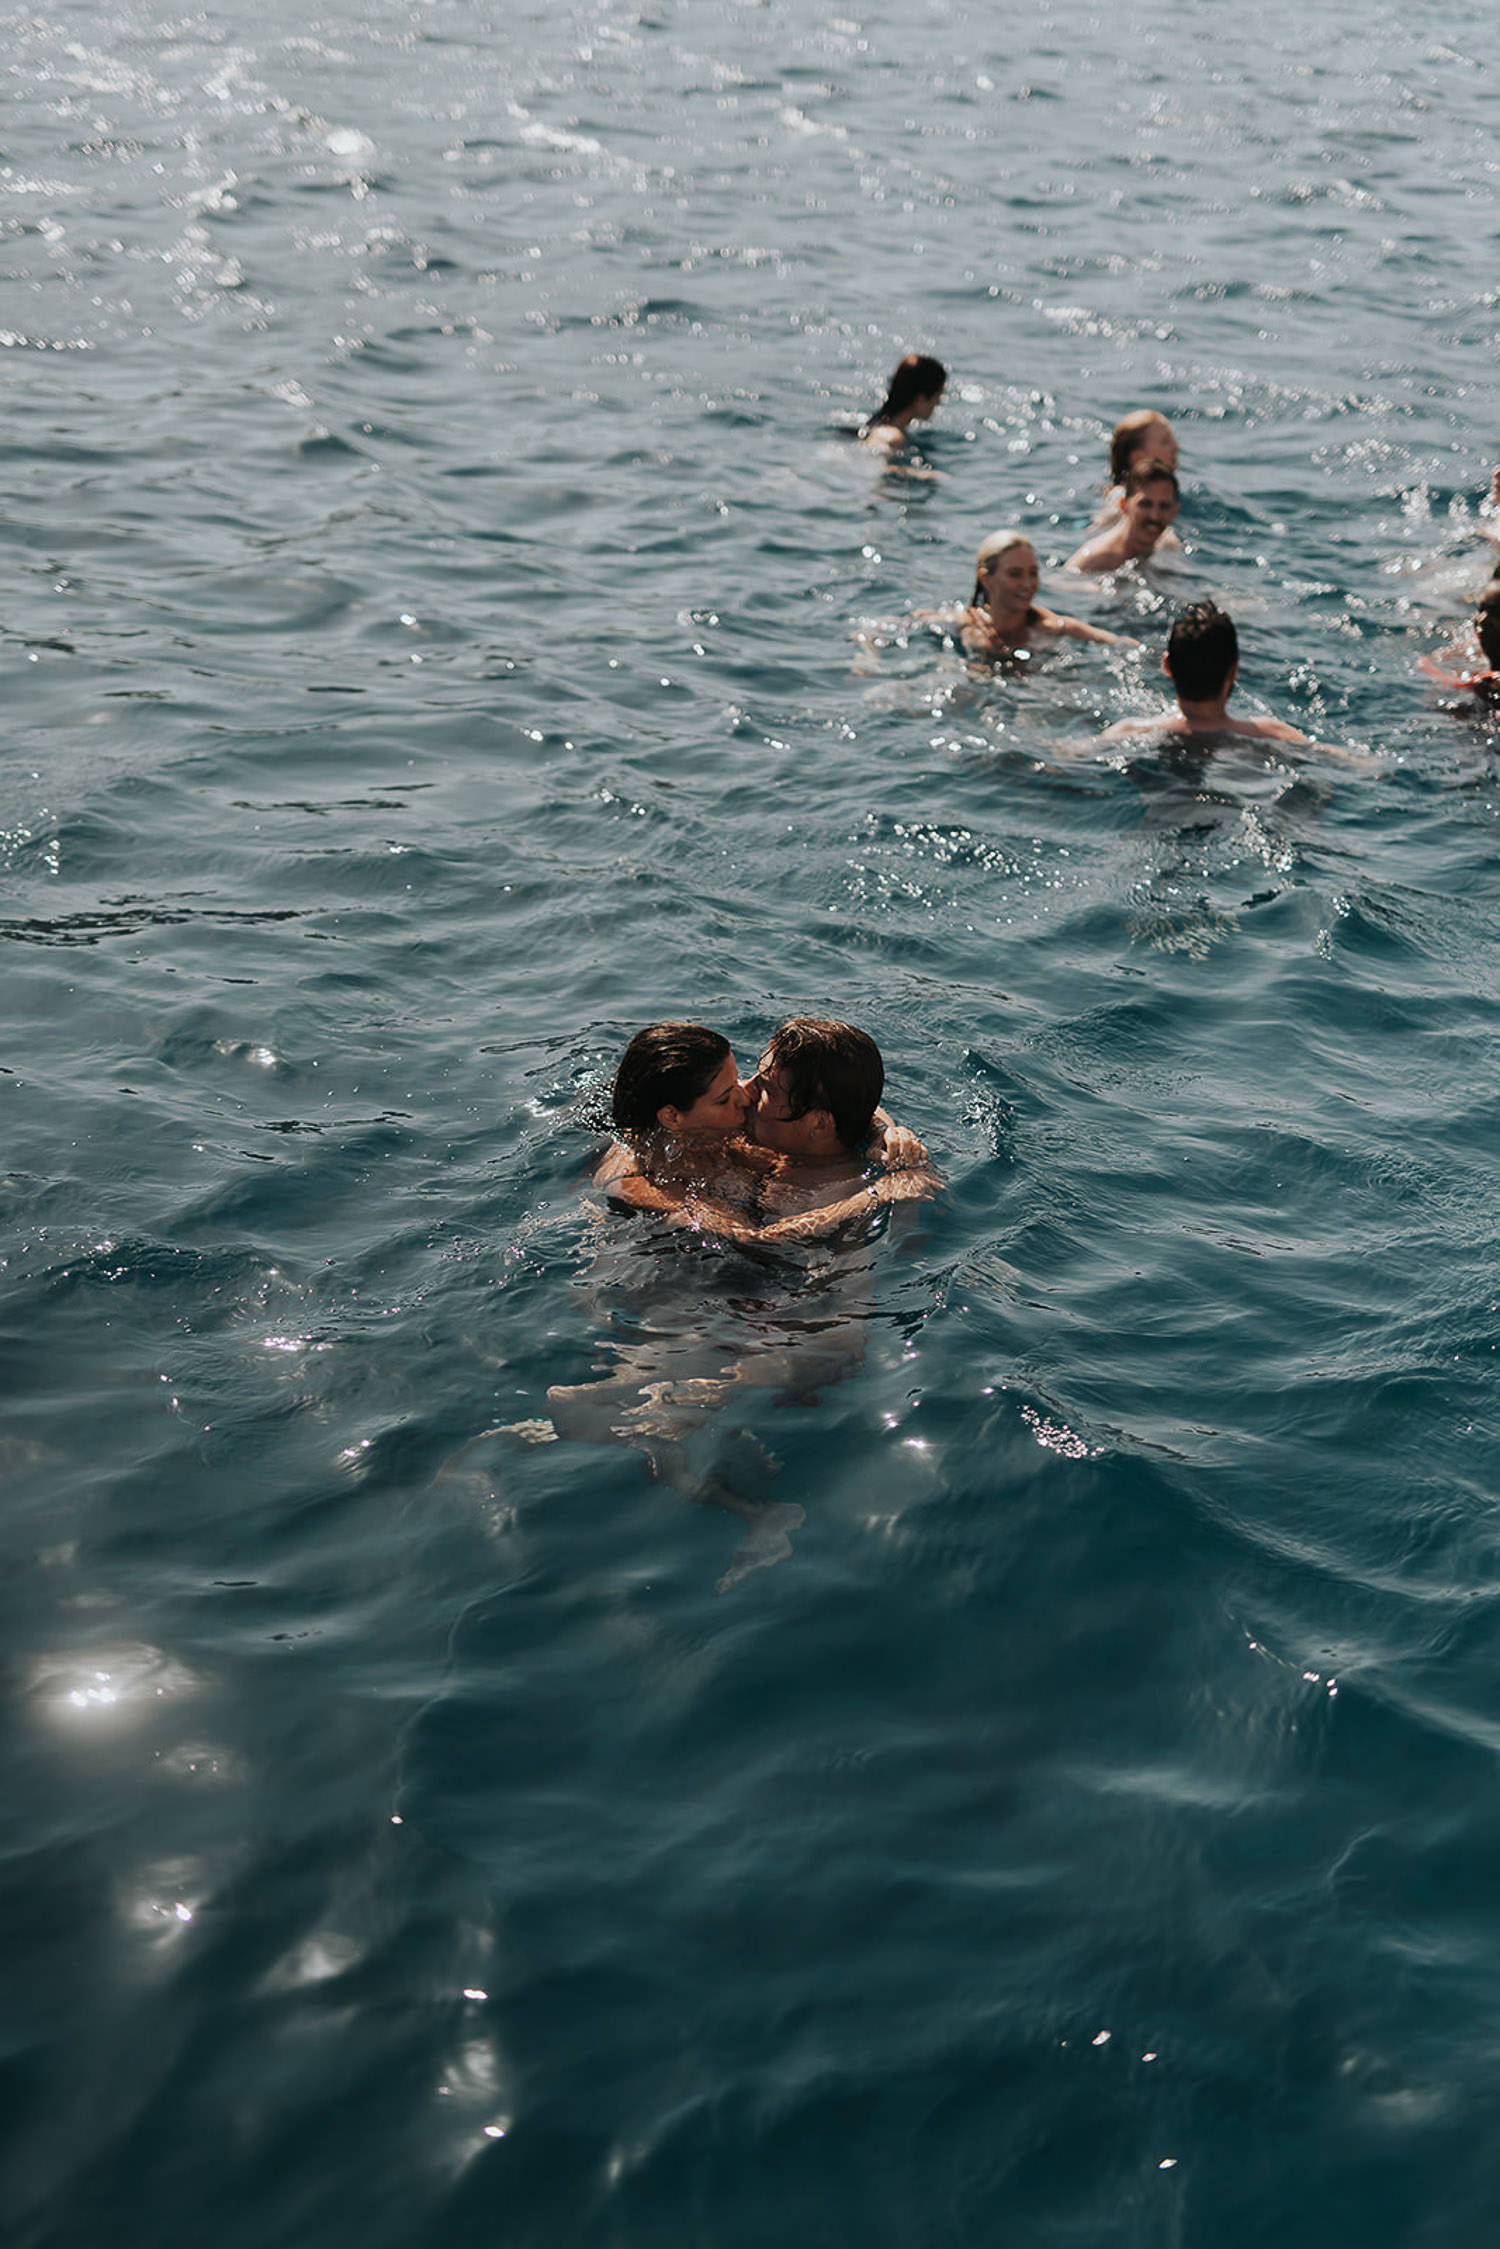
817	1089
1148	509
1203	654
1203	663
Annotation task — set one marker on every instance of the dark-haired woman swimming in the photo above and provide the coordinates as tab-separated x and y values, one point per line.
915	393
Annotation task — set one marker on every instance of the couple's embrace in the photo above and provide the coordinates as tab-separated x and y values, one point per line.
788	1155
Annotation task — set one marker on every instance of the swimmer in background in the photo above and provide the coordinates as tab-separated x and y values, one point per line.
1147	511
915	393
1490	525
1473	661
1145	436
1203	663
1004	617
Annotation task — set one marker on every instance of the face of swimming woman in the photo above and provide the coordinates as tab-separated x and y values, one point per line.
1010	579
1156	443
719	1108
1149	512
924	407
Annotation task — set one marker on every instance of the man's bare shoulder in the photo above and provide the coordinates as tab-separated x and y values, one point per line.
1095	555
1130	729
1268	730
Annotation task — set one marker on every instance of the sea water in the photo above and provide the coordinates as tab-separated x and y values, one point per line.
445	631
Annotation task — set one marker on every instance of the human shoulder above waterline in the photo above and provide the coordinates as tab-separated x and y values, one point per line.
914	393
1148	509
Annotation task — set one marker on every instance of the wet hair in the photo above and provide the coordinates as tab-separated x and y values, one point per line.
1202	649
990	551
1142	473
832	1066
666	1065
1487	622
1128	438
915	377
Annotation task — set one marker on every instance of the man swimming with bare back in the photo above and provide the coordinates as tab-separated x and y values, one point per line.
1203	663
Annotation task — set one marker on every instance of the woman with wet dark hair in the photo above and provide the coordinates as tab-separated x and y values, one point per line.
915	393
677	1077
679	1109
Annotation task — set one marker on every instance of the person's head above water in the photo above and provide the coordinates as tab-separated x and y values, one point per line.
1203	650
1144	435
915	388
817	1088
1487	622
679	1077
1150	470
990	569
1149	505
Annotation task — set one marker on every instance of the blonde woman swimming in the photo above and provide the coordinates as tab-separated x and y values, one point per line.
1004	616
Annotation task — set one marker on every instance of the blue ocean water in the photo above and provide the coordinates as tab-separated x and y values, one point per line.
438	627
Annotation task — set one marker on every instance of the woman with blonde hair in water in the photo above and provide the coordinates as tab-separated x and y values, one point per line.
1004	617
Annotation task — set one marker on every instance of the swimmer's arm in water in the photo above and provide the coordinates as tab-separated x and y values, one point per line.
895	1146
619	1173
684	1206
638	1192
620	1163
1074	628
949	620
615	1162
916	1185
1277	730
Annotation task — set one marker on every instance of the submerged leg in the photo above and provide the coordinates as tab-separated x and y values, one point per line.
769	1542
656	1418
